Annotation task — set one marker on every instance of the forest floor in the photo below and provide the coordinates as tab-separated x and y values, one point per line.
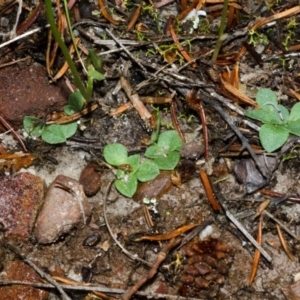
222	224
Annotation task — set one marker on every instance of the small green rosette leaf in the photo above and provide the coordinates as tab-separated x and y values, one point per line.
295	112
95	60
269	114
76	100
69	129
260	115
53	134
69	110
264	96
272	137
169	162
94	74
29	124
294	127
134	161
147	171
154	151
170	141
283	113
127	185
115	154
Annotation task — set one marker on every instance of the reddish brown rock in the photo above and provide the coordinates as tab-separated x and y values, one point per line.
65	206
25	91
90	179
21	196
18	270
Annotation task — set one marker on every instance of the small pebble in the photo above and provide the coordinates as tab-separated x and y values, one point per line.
92	240
192	150
90	179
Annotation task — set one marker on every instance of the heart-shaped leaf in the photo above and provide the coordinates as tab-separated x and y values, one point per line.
265	116
276	114
115	154
294	127
33	126
76	101
272	136
264	96
134	161
53	134
170	141
69	129
127	186
169	162
295	112
147	171
154	151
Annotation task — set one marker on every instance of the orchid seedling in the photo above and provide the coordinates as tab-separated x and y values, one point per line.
164	155
130	169
278	122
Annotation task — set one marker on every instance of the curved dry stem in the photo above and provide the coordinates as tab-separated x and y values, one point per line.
130	255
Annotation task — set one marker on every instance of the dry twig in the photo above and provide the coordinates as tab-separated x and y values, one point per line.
7	126
136	102
284	244
257	252
39	271
130	255
159	259
296	237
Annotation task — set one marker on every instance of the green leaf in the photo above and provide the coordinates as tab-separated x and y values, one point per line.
155	134
32	126
127	186
283	113
69	110
272	136
270	114
53	134
259	114
264	96
95	60
37	131
115	154
69	129
148	170
154	151
294	127
29	123
134	161
169	162
76	100
295	112
170	141
94	74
